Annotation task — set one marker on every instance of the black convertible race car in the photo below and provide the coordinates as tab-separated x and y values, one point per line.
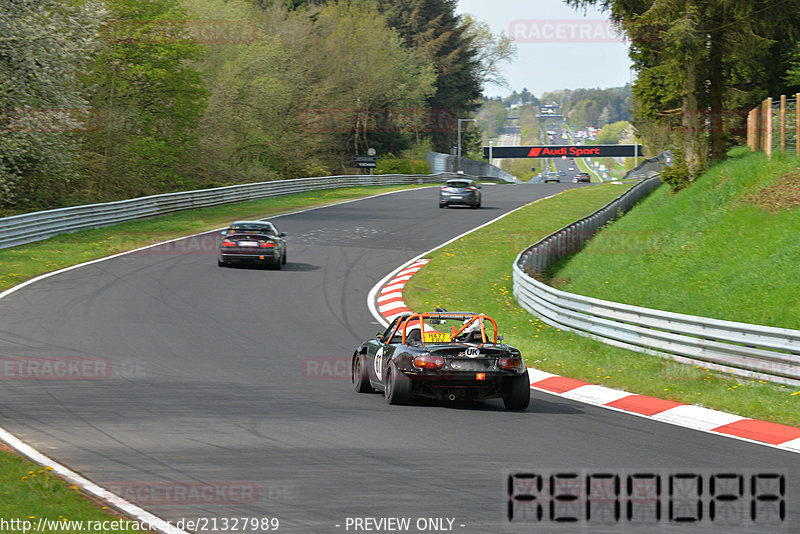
254	242
442	355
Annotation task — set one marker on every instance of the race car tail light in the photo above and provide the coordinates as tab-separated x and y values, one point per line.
228	243
471	188
428	361
509	363
267	244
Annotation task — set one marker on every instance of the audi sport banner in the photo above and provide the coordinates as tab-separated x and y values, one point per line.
570	151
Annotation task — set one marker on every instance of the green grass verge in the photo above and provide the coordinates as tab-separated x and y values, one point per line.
474	273
714	250
21	263
30	493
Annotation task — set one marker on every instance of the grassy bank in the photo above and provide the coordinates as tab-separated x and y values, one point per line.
457	279
21	263
726	247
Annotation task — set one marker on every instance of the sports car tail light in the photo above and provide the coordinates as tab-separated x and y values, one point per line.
509	363
428	362
470	188
267	244
228	243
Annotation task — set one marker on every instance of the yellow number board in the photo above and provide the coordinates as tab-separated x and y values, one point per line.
437	337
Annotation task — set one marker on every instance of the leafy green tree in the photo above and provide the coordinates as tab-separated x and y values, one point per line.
614	133
151	98
440	36
365	68
43	47
700	61
491	51
491	117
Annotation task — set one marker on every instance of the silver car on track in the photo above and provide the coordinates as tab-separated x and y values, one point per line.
460	191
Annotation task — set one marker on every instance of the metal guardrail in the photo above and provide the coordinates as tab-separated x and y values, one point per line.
649	167
446	163
570	239
762	352
30	227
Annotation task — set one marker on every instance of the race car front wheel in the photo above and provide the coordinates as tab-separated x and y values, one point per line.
398	386
517	392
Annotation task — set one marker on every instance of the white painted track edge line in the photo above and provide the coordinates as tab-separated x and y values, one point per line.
371	296
133	511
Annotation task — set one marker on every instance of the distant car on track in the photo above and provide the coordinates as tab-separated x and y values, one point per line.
460	191
551	177
442	355
582	177
254	242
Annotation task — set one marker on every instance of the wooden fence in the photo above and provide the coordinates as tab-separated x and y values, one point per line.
775	125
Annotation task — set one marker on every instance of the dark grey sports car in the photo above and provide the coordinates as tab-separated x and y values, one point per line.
254	242
443	355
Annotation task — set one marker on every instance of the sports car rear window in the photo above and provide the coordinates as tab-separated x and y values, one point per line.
457	184
244	228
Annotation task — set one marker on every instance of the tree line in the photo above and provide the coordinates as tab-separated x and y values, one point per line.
110	99
592	107
701	64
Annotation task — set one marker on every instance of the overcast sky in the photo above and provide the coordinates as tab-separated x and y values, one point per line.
557	47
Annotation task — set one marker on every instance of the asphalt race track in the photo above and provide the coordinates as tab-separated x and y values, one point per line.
237	377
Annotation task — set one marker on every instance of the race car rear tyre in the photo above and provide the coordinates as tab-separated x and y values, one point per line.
360	377
283	258
517	392
398	386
